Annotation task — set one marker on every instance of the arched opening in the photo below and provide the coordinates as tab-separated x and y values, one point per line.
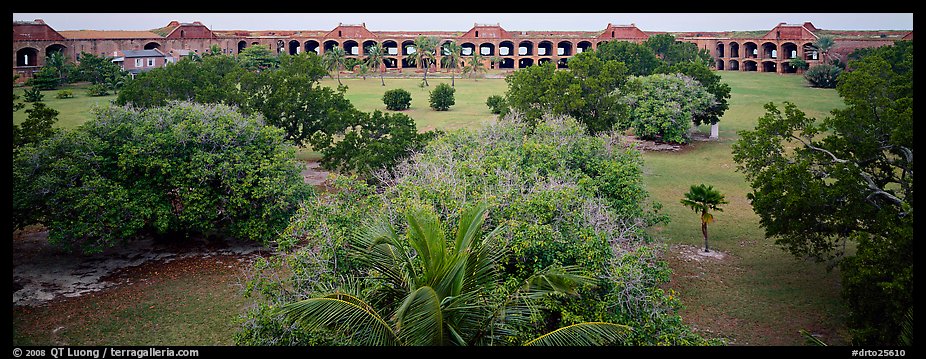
51	49
27	56
720	65
789	50
487	49
255	43
391	63
734	49
311	46
366	45
769	51
752	50
330	44
733	65
506	48
811	52
153	45
720	49
787	68
507	63
468	49
293	47
564	48
769	66
543	61
545	48
583	46
561	63
522	63
525	48
242	45
281	45
182	33
750	66
351	48
445	48
406	64
392	48
408	48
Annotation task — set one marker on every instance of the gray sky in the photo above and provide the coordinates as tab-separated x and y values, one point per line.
464	21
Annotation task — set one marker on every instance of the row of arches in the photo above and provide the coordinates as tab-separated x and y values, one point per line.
767	50
754	65
407	47
30	56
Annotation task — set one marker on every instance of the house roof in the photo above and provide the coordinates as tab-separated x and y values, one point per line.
107	34
142	53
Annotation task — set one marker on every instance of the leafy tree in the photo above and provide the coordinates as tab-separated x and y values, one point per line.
174	171
258	58
335	59
497	105
666	106
475	66
847	178
214	79
397	99
45	79
97	90
442	97
33	94
711	82
672	51
98	69
445	295
452	55
639	59
798	63
823	75
589	91
425	48
39	125
366	142
375	56
702	199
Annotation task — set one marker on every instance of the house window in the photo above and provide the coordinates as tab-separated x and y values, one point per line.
150	62
138	62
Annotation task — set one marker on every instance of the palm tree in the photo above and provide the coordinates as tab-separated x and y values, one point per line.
442	291
824	44
335	59
424	53
451	59
375	56
703	198
475	65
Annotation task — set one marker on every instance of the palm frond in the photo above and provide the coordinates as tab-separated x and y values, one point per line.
811	340
427	238
583	334
419	319
342	313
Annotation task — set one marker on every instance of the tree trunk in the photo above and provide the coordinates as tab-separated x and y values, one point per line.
426	75
381	78
704	232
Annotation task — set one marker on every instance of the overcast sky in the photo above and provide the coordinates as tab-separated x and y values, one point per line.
464	21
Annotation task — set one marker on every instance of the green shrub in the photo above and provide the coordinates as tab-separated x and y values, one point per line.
175	171
666	106
823	75
397	99
558	195
442	97
63	94
97	90
33	95
497	105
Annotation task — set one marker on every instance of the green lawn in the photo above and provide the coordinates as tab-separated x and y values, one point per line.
758	295
73	111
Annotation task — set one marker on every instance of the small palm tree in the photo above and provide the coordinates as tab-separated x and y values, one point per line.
425	47
436	291
451	59
375	56
335	59
824	44
475	65
702	199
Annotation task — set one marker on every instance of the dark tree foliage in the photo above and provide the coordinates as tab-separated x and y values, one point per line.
823	75
369	142
257	58
639	59
847	178
33	95
712	84
37	126
673	52
174	171
211	80
45	79
98	69
588	91
497	105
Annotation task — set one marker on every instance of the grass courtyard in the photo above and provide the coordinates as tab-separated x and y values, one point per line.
757	295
